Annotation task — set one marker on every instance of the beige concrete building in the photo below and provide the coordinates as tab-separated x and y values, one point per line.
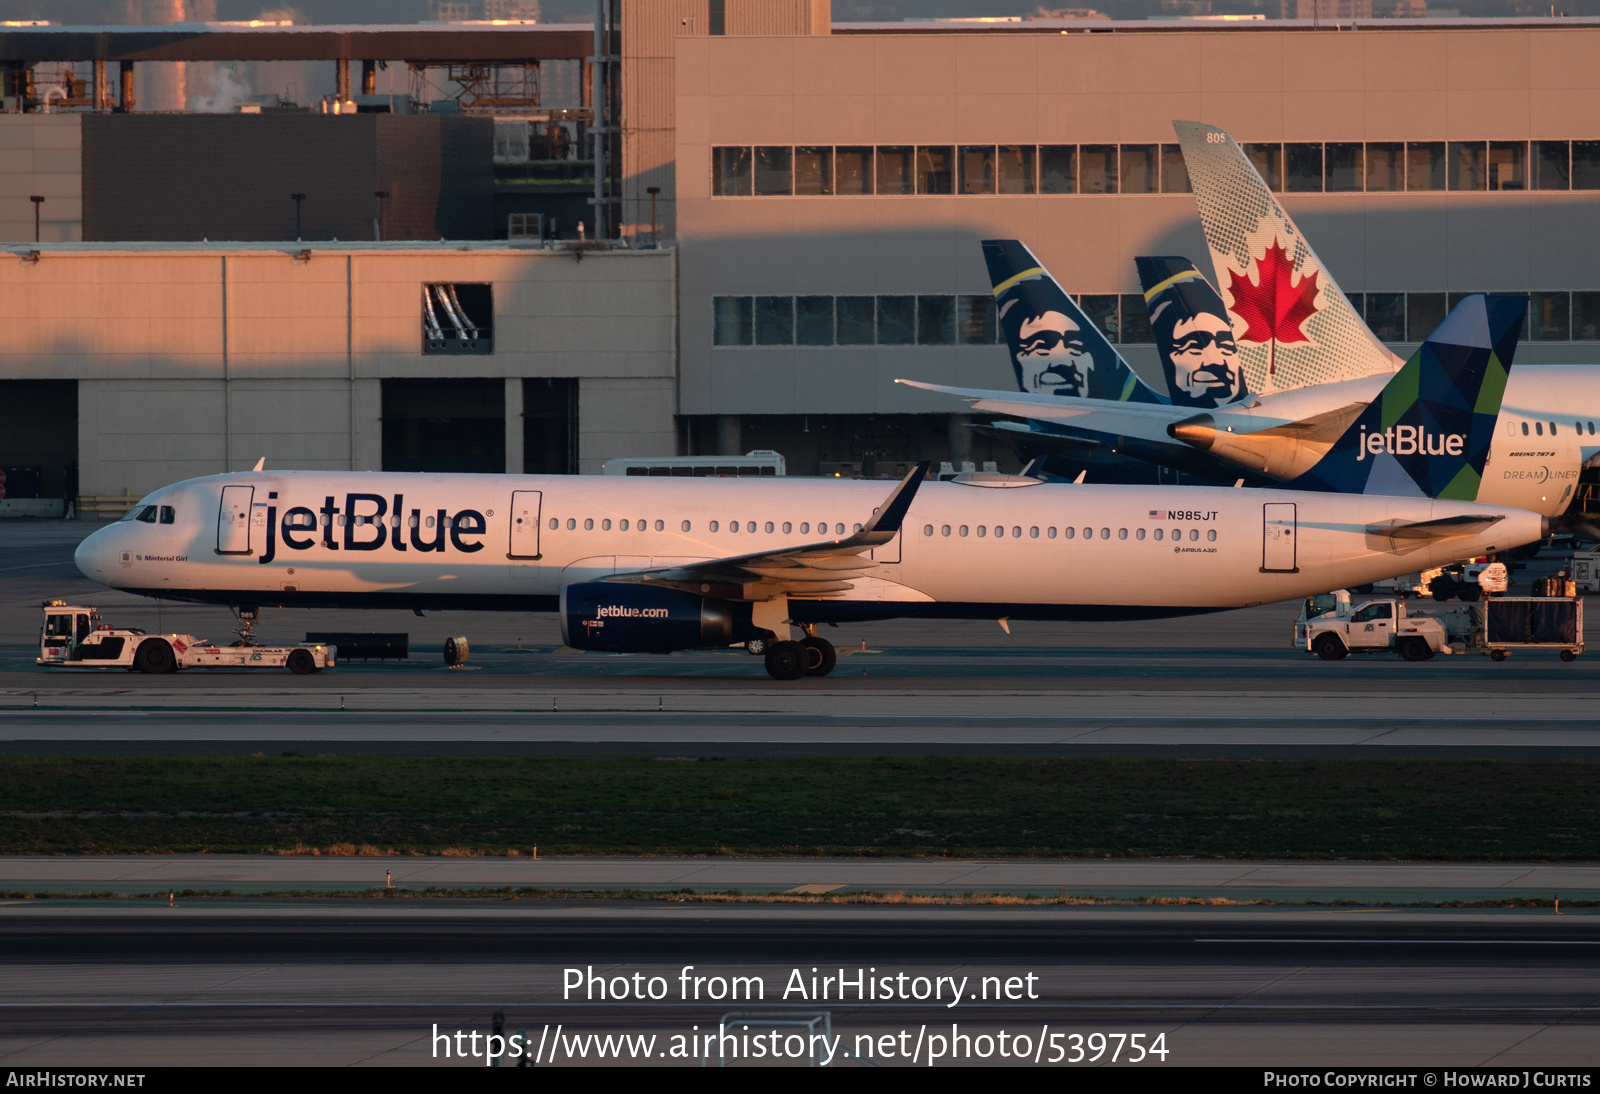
190	360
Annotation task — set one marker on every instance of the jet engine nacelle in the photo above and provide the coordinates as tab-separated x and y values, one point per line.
622	618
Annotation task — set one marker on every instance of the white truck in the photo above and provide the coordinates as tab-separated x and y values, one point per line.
1494	628
1467	581
75	638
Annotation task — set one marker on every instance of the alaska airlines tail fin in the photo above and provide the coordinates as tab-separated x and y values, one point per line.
1294	324
1055	348
1427	433
1193	334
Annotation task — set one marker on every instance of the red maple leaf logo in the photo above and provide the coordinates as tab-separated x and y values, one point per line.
1272	308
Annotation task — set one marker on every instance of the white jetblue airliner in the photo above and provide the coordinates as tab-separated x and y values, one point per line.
653	565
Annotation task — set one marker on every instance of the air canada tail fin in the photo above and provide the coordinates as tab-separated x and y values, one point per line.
1427	433
1294	325
1079	361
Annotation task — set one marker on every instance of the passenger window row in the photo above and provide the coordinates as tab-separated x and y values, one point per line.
999	531
1538	428
749	526
1294	167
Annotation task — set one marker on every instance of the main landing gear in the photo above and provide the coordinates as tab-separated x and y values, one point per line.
811	656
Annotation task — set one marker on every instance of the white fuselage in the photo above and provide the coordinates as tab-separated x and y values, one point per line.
1045	551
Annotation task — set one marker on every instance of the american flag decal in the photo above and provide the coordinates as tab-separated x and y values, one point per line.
1158	514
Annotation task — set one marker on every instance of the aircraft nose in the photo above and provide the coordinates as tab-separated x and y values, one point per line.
89	553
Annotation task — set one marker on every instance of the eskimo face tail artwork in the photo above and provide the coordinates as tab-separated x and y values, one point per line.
1427	433
1194	339
1294	325
1055	348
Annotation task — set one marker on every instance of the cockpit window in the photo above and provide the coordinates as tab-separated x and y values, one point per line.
168	514
147	515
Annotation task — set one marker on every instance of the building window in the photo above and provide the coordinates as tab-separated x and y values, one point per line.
1386	315
897	320
1343	169
813	172
1135	325
774	320
852	169
1102	311
1549	319
1550	165
718	23
1058	169
1386	166
774	171
1017	168
730	172
1586	165
1268	162
813	320
1174	171
1467	163
1140	172
1425	164
735	324
936	170
936	320
457	318
1586	316
1358	303
977	169
975	320
894	171
1302	168
857	320
1508	165
1424	312
1097	169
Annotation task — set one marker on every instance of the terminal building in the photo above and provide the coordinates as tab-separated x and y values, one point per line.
708	226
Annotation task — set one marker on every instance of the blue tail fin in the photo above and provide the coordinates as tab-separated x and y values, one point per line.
1055	348
1193	335
1427	433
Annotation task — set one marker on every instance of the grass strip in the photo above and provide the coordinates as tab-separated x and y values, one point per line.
935	806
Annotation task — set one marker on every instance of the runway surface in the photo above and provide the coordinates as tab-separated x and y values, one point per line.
1224	707
95	985
1369	882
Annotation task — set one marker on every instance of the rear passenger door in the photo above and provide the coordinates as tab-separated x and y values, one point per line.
525	505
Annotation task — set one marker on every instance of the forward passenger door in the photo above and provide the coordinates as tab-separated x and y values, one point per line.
233	520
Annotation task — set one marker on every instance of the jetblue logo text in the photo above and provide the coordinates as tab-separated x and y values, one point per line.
1409	440
366	524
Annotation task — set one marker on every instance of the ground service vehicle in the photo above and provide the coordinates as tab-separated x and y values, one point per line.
1496	628
74	637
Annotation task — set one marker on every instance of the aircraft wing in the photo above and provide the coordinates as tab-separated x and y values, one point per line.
1104	415
813	569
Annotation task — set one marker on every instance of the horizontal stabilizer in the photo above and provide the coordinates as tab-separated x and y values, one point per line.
1416	533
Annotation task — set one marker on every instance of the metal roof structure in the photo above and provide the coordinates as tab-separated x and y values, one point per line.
421	42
